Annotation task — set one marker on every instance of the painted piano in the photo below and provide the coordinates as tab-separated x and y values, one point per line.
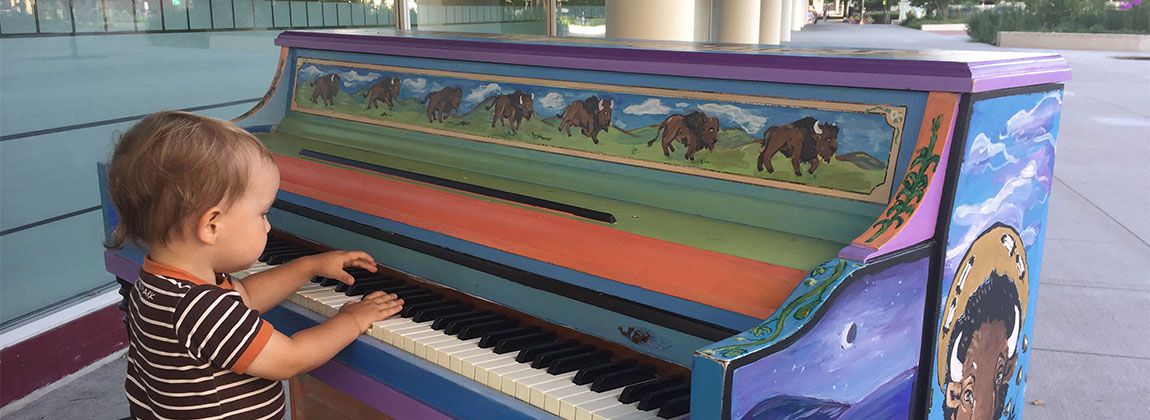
598	229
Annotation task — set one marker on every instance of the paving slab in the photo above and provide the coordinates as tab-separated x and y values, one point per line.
1075	386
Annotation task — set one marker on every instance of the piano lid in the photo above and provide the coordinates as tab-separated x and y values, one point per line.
925	70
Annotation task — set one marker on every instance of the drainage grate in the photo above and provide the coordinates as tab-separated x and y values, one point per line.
1132	57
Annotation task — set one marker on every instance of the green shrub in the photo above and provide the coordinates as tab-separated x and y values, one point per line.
1082	16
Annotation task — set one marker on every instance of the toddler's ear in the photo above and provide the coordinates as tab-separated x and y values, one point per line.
208	226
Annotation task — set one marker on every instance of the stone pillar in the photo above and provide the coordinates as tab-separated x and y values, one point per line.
771	22
800	15
737	21
788	11
671	20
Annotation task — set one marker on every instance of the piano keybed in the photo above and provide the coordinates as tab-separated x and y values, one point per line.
565	373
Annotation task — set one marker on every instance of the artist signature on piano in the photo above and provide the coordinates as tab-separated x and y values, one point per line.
644	336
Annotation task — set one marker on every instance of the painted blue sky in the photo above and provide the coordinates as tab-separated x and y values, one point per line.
887	309
859	132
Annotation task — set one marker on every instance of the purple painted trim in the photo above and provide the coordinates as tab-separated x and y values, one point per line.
926	71
379	396
121	267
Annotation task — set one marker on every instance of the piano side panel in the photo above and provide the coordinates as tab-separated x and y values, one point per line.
272	107
993	254
847	345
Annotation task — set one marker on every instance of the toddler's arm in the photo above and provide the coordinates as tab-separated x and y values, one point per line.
284	357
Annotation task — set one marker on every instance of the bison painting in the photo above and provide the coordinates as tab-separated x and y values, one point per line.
512	108
804	140
591	115
385	91
325	88
695	130
442	102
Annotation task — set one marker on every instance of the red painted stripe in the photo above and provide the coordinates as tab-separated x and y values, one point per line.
737	284
59	352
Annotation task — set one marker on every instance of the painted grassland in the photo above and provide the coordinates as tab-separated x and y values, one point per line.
736	152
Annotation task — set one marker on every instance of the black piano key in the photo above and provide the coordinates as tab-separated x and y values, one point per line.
656	399
409	292
509	345
676	407
478	330
288	256
441	323
588	375
272	250
367	288
489	340
400	288
329	282
454	327
528	354
425	315
410	309
421	298
635	392
621	378
342	287
579	361
543	360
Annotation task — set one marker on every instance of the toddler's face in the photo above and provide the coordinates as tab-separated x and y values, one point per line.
244	226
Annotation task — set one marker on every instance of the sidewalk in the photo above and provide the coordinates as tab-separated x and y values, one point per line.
1091	345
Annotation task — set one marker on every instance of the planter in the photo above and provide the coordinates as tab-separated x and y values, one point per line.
944	27
1074	41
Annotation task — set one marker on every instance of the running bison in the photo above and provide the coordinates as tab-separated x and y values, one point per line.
441	102
804	140
512	108
386	91
695	130
325	88
591	115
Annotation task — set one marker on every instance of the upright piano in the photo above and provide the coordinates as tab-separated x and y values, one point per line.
612	229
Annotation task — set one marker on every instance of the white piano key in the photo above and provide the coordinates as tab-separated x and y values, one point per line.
463	362
540	392
616	411
607	399
511	382
524	388
639	415
445	353
426	348
403	338
554	398
410	339
482	369
569	405
495	379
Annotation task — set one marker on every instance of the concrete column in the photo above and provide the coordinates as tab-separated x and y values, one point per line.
785	28
737	21
770	22
671	20
799	15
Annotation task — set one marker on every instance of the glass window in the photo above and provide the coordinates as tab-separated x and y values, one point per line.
244	12
581	18
262	14
222	17
489	16
281	14
299	14
330	15
344	10
119	14
89	15
357	14
314	14
199	14
175	14
148	15
55	16
18	16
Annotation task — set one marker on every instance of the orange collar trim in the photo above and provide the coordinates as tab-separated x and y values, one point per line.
151	266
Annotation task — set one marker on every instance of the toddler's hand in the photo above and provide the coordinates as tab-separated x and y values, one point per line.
331	264
376	306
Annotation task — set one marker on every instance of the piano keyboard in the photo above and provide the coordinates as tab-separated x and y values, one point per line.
565	377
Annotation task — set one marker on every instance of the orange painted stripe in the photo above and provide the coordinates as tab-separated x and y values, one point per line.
737	284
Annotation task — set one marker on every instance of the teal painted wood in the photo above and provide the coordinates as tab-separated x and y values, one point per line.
665	344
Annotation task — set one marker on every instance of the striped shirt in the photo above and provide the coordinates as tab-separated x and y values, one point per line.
190	342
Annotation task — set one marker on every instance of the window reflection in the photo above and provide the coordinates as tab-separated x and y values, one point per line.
581	18
487	16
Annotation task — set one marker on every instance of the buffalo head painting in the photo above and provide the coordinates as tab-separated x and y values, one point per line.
979	336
